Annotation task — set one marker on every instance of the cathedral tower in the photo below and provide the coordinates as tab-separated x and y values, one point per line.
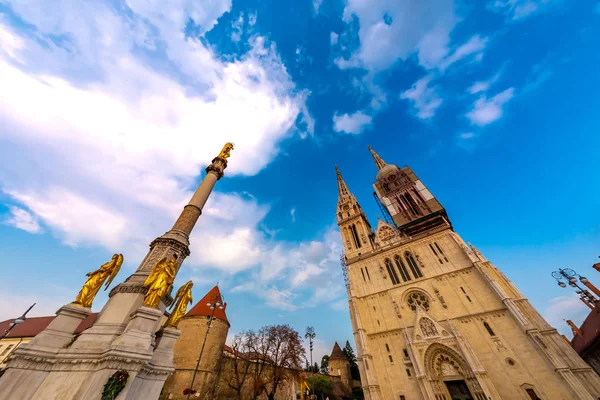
194	327
340	366
433	319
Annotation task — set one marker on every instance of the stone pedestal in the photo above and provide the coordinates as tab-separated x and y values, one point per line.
32	362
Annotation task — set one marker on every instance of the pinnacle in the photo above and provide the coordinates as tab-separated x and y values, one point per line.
378	160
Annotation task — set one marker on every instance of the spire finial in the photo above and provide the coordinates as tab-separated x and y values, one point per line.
342	188
378	160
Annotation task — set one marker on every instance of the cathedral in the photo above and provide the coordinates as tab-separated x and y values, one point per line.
432	318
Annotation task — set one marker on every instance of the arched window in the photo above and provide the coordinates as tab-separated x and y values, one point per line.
386	187
411	204
391	271
413	265
402	269
355	236
489	329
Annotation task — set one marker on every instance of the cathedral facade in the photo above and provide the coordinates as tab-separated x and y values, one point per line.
433	319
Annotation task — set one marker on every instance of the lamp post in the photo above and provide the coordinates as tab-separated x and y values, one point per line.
16	322
217	302
310	335
571	277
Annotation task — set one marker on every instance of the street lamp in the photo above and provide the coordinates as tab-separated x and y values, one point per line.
571	277
310	335
217	302
16	322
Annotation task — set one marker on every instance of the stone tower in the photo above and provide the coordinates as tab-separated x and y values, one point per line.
340	366
193	329
433	319
125	338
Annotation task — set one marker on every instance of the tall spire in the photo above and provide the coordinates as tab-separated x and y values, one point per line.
342	188
378	160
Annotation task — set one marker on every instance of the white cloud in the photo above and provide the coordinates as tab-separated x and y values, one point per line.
473	47
485	111
293	214
425	99
562	308
317	5
333	38
134	139
390	31
237	28
23	219
466	135
521	9
351	123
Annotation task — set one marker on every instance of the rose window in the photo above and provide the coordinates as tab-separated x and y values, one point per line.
416	299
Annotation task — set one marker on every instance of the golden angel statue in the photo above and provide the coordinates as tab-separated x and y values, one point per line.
95	280
226	152
160	281
182	299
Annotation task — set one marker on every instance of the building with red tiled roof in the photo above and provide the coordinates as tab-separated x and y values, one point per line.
28	329
586	340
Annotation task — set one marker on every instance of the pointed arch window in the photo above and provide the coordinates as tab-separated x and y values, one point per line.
355	236
391	271
413	265
414	209
488	328
402	269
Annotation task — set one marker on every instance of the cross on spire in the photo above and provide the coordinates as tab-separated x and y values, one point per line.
378	160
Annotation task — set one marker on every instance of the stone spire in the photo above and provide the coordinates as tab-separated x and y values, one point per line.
342	188
337	353
378	160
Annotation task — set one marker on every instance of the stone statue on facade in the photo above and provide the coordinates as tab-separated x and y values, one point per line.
160	281
106	272
182	299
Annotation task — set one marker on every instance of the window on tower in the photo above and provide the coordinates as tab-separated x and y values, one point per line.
367	271
436	254
413	265
386	187
355	236
391	271
440	250
488	328
402	269
363	274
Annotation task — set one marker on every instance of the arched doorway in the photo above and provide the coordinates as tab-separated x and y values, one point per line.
450	376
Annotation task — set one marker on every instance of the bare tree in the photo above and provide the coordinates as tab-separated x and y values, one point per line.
240	367
285	352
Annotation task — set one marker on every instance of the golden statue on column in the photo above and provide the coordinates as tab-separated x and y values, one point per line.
95	280
160	281
226	152
182	299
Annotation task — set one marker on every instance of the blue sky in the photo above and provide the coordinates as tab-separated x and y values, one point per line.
109	112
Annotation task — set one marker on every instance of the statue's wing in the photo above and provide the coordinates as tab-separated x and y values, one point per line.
115	270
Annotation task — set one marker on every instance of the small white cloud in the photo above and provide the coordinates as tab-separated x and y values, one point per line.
23	220
467	135
351	123
485	111
252	19
425	99
483	86
521	9
474	46
293	214
317	6
562	308
237	27
333	38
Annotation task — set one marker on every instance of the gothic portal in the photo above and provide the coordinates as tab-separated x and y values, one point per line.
433	319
